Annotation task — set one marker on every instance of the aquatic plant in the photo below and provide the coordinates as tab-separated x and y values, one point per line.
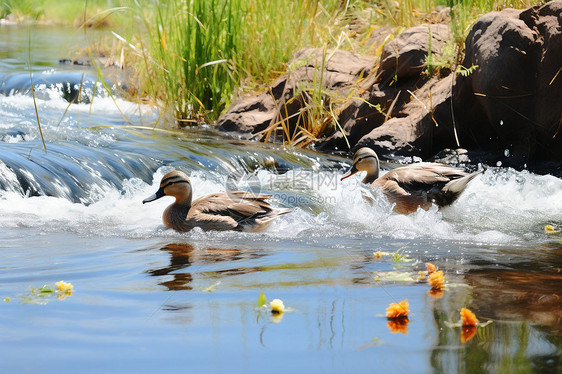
262	300
42	295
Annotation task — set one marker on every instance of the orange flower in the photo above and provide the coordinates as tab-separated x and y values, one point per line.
468	318
436	280
435	293
467	333
396	310
430	267
398	325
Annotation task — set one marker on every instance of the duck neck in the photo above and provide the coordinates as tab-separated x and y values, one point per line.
175	215
372	175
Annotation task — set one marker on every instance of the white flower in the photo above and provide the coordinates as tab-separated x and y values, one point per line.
277	306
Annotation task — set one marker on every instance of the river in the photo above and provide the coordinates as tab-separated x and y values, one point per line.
148	299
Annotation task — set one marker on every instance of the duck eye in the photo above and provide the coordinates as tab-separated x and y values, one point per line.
170	183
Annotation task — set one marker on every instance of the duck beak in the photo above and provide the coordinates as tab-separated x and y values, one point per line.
160	193
350	172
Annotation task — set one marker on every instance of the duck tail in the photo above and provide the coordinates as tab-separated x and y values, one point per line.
453	189
259	221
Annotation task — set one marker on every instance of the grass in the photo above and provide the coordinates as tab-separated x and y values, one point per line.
67	12
202	53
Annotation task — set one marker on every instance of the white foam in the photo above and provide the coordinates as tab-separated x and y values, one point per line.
495	209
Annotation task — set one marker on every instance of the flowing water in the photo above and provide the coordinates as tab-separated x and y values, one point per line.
148	299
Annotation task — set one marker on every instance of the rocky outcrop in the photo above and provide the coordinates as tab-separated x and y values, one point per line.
507	103
512	102
395	115
251	115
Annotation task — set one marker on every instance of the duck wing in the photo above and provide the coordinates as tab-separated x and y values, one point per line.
422	184
235	210
422	177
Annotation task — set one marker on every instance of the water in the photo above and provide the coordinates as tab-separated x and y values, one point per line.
146	298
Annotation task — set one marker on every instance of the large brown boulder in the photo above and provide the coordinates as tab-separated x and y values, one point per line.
405	55
508	108
406	96
252	114
512	101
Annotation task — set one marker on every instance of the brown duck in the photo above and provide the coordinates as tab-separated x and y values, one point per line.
233	210
412	186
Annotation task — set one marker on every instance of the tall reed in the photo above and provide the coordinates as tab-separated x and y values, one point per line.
203	50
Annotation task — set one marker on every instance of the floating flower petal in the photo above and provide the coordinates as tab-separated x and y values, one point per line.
396	310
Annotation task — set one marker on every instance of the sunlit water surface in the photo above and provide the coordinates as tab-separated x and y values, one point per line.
148	299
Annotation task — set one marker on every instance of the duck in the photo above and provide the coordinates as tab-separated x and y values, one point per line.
412	186
232	210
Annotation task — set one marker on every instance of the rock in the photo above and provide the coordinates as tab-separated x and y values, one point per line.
513	99
404	56
252	114
453	157
506	111
421	127
364	125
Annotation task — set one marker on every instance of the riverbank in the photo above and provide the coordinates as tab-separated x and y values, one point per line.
428	91
499	105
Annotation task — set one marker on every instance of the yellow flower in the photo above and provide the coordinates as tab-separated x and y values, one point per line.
436	280
396	310
468	318
378	255
430	267
64	287
277	306
549	229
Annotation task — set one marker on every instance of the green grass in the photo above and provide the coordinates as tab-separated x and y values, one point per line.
58	11
202	52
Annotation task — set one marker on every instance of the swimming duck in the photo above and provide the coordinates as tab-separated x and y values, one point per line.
232	210
412	186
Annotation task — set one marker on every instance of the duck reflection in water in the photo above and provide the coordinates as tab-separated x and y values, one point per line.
185	255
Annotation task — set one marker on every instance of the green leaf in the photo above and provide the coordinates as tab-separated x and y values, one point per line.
261	300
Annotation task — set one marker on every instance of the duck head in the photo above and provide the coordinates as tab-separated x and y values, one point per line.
365	159
175	184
